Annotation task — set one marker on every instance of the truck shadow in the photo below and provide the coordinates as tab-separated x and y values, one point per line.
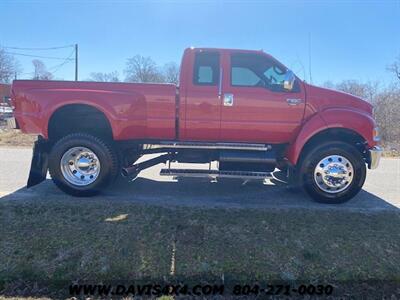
227	193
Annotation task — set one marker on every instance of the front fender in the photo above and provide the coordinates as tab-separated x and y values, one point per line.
311	127
354	120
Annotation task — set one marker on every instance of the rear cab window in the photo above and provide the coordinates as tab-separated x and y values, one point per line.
206	68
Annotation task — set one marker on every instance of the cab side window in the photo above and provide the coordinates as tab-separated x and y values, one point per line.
242	76
206	68
254	70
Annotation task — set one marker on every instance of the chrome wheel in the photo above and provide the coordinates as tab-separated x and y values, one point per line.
80	166
333	174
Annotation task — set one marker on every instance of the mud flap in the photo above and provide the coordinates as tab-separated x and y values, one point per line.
39	162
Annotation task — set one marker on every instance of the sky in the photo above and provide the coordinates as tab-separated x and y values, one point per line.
340	40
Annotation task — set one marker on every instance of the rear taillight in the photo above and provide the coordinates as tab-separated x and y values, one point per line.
7	100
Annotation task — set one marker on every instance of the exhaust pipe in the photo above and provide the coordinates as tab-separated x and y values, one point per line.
128	171
135	169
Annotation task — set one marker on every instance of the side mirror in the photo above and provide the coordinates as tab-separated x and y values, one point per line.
288	82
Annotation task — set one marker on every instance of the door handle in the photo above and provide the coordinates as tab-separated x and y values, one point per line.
228	99
292	101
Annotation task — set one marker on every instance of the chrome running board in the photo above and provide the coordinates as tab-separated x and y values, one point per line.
215	173
207	145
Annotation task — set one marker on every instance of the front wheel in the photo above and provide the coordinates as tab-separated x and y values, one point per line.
333	172
81	164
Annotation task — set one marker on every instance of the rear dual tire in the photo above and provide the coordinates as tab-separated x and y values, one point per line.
82	165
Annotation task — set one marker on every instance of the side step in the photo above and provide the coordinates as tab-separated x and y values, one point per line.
241	156
216	146
215	173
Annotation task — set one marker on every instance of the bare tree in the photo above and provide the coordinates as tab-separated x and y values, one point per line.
9	67
40	71
387	114
395	68
366	91
171	73
142	69
104	77
386	106
329	84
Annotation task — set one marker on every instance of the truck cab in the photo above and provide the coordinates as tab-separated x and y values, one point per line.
241	108
238	96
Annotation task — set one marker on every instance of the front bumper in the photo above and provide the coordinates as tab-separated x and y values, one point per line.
375	154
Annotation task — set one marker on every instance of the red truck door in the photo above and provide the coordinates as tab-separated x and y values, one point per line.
255	107
202	116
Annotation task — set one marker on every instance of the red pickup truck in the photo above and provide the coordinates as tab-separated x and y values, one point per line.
243	109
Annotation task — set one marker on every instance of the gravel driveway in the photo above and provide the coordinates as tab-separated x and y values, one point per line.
381	190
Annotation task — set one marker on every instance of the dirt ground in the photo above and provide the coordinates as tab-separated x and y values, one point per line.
15	138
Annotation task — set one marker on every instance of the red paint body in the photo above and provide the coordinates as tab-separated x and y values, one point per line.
148	111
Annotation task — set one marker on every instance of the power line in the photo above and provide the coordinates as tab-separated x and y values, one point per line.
55	68
38	56
58	67
27	73
76	62
34	49
309	56
52	69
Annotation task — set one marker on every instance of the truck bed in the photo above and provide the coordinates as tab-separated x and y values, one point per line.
134	110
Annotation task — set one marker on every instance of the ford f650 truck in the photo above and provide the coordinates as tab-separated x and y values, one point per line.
243	109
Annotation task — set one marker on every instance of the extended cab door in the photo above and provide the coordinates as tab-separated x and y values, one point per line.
202	109
255	107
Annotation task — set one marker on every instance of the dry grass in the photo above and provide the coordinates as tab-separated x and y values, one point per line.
24	298
47	244
391	150
15	138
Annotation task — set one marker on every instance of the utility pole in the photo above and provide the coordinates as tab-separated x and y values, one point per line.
309	56
76	62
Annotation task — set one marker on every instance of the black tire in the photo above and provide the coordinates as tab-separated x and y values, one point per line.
105	153
293	185
314	156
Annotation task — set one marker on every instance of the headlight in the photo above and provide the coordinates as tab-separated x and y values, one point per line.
375	135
